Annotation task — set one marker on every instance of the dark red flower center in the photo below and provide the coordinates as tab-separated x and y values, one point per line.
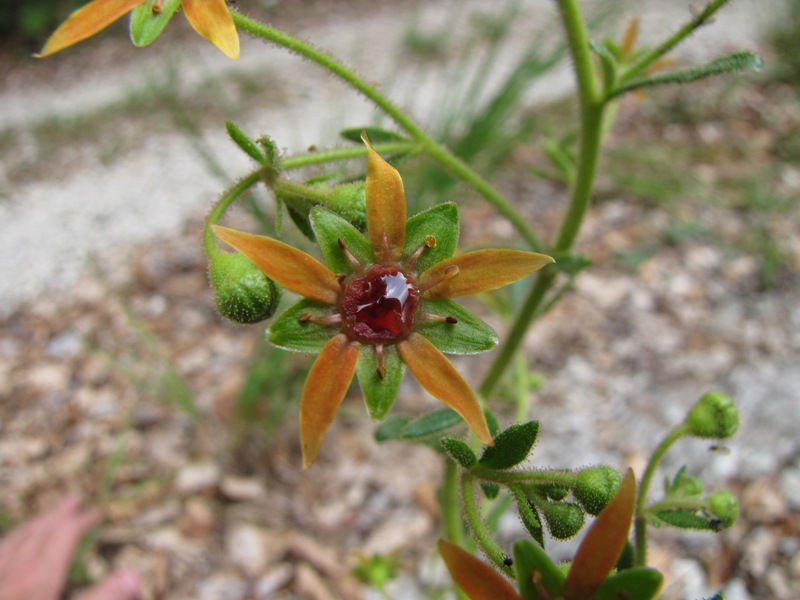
380	305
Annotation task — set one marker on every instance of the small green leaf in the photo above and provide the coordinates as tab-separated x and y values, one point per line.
739	61
299	209
468	335
459	451
529	516
391	429
290	333
376	135
536	573
147	24
379	393
431	423
511	446
642	583
329	228
490	490
244	142
687	519
440	222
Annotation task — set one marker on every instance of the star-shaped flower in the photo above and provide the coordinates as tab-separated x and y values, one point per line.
382	303
209	18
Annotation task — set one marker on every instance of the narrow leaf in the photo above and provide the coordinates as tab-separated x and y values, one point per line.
379	392
641	583
375	134
538	577
468	335
687	519
511	446
431	423
238	136
478	580
530	517
391	428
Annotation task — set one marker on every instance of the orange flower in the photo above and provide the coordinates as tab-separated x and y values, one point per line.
210	18
382	303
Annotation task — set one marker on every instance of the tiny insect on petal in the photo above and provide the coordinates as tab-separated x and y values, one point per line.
602	544
439	377
212	20
480	271
478	580
386	207
85	22
290	267
324	390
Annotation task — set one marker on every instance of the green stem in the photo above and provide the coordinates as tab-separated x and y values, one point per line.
591	127
640	518
227	198
429	145
676	38
324	156
546	477
482	535
451	515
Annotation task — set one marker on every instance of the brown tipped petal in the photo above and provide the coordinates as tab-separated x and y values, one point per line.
85	22
481	271
603	543
212	20
290	267
324	390
386	207
439	377
478	580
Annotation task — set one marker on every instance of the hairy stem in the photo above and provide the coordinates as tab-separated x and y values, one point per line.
478	528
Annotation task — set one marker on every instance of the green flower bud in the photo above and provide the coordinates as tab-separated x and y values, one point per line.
724	506
242	293
595	487
350	201
714	416
564	519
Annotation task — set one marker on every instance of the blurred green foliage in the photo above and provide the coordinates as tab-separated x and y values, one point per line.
27	24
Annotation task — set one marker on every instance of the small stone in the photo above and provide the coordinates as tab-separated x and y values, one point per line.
273	580
244	545
309	584
197	477
222	586
198	519
242	489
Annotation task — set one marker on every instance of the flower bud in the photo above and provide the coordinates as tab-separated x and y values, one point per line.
350	202
724	506
714	416
595	487
564	519
242	293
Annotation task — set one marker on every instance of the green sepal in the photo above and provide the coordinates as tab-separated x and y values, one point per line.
538	577
530	516
469	335
349	200
738	61
564	519
329	228
146	25
376	135
441	222
299	209
642	583
490	490
511	446
688	519
290	333
245	143
459	451
379	393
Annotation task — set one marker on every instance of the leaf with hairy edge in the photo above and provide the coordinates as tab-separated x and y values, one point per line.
539	578
375	134
511	446
290	333
329	228
147	24
439	222
642	583
529	516
468	335
687	519
379	393
459	451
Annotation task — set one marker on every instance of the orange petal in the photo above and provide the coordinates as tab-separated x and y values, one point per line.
603	543
324	390
213	20
478	580
480	271
440	378
85	22
386	207
292	268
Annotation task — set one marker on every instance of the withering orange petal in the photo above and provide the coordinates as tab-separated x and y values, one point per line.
439	377
478	580
324	390
85	22
386	206
603	543
292	268
213	20
480	271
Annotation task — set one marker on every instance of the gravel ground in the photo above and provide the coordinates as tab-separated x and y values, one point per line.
207	507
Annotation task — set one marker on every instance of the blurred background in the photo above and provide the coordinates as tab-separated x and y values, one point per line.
118	378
